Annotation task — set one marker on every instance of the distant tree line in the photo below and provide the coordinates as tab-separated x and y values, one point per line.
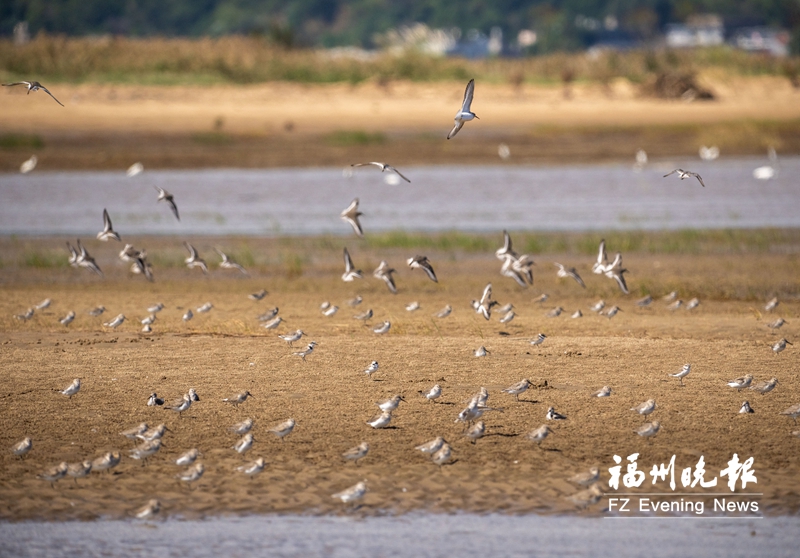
559	24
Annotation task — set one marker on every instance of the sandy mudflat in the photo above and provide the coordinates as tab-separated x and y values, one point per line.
224	352
284	124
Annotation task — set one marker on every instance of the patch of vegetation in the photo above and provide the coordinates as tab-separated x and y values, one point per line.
20	141
44	259
212	138
346	138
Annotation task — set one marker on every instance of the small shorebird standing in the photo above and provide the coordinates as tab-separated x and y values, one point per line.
382	328
746	408
586	478
465	113
772	304
384	167
283	429
258	296
33	86
792	412
309	349
686	174
518	388
252	469
372	368
780	345
539	339
350	272
193	473
434	393
243	445
356	453
149	510
22	447
180	405
107	461
66	320
765	387
242	428
54	474
382	420
433	446
604	391
476	432
72	389
352	494
741	383
187	458
444	312
166	196
238	399
649	429
539	434
390	404
683	373
108	229
645	408
116	322
292	337
350	215
552	414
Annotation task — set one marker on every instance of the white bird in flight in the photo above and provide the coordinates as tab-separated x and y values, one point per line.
383	166
465	112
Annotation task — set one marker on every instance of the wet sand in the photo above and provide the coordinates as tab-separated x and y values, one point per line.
225	351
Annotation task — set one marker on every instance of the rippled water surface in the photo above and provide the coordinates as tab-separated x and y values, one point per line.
308	201
416	535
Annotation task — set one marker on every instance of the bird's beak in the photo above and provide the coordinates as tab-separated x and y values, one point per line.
167	428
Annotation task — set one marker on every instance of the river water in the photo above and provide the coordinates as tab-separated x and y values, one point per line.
413	535
490	198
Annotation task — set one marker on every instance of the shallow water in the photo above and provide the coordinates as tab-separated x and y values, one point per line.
410	535
308	201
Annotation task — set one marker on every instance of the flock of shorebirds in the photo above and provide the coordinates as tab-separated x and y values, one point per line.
515	266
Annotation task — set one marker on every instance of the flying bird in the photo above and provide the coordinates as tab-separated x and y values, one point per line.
383	166
423	263
228	263
108	229
164	195
33	86
384	272
194	259
465	113
350	273
686	174
571	272
351	215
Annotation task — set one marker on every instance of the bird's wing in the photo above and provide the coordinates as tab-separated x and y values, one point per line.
506	242
487	294
458	125
43	88
387	277
348	263
192	251
669	173
106	221
621	281
468	93
398	173
17	83
602	257
425	264
173	207
574	275
699	179
352	208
